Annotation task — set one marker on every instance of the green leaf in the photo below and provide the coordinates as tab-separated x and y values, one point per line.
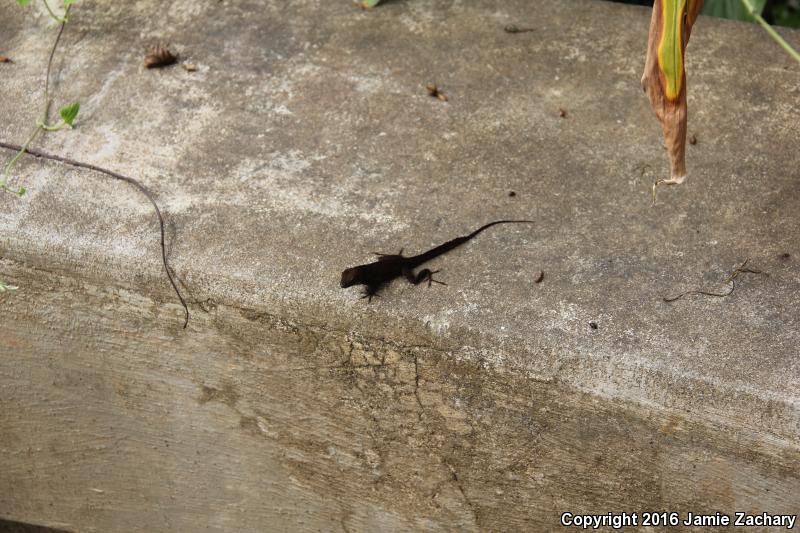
670	50
69	112
21	191
369	3
23	3
68	3
732	9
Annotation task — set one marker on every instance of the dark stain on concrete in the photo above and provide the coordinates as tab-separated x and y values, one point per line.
227	395
10	526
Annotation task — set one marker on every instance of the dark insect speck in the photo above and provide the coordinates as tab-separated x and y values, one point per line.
159	56
511	28
593	325
433	90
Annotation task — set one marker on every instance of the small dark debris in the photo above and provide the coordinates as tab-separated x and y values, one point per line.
433	90
642	168
785	256
4	59
593	325
159	56
207	306
511	28
693	140
562	112
540	277
512	194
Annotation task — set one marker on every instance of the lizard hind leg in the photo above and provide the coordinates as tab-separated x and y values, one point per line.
398	254
422	276
368	295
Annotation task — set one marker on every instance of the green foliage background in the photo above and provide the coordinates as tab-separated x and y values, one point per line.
778	12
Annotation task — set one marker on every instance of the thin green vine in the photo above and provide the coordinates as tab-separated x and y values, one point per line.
60	20
68	112
770	30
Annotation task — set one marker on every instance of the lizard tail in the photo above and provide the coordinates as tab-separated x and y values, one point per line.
490	224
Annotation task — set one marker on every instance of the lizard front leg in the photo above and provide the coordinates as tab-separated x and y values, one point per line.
423	275
370	293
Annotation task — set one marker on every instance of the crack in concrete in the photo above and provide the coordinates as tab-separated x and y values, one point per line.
416	387
345	366
345	516
375	427
467	501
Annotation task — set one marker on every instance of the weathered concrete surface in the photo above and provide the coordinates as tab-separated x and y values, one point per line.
306	141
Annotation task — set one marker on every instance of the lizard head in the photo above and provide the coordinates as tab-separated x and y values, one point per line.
349	278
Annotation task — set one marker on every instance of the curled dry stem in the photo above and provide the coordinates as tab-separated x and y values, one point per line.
131	181
741	269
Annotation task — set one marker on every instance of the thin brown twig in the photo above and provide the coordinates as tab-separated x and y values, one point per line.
131	181
705	293
741	269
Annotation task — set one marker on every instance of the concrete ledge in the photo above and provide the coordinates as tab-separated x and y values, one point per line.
304	142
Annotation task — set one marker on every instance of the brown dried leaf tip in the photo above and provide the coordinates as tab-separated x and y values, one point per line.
693	140
562	112
664	77
433	90
4	59
159	56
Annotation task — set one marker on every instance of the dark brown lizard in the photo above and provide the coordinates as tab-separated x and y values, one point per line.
389	267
